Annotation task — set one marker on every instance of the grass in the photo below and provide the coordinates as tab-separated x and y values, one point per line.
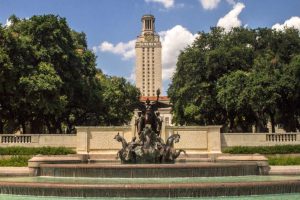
35	150
278	149
283	160
15	161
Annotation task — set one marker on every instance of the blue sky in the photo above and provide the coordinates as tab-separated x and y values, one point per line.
111	26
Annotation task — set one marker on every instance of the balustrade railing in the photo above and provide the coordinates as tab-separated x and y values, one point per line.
285	137
16	139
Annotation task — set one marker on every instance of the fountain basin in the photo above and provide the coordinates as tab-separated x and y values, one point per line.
152	170
199	187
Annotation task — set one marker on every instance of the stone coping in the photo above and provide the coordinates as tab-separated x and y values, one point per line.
106	128
149	166
239	157
285	170
198	128
151	185
14	171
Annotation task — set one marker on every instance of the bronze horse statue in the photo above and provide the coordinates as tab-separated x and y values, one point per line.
170	153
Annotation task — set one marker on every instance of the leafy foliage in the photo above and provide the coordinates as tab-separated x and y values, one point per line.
14	150
278	149
239	78
49	81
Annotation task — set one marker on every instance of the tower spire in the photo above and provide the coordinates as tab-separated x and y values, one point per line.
148	24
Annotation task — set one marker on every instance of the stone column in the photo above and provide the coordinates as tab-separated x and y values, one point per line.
214	139
82	140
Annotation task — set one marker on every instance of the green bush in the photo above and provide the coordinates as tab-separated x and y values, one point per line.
278	149
15	161
283	160
36	150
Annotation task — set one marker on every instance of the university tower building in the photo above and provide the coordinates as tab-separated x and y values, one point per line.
148	58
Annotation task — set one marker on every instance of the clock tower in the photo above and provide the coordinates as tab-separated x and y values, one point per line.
148	68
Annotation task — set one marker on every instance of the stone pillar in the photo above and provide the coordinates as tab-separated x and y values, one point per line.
82	140
214	139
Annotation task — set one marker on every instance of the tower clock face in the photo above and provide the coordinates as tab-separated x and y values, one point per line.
149	37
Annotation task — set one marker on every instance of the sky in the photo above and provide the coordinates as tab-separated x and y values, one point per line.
111	26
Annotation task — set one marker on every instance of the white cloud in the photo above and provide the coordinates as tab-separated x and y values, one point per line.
292	22
231	19
173	41
131	78
8	23
213	4
126	50
232	2
166	3
209	4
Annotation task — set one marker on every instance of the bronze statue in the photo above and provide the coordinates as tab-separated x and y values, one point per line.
150	147
140	123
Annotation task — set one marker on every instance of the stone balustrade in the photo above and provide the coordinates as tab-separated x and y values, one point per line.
15	139
286	137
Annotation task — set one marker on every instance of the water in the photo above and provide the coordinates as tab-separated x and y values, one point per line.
84	180
150	170
255	197
149	187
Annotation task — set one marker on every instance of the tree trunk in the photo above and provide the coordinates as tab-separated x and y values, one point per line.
1	126
272	122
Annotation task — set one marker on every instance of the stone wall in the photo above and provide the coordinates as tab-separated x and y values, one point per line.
259	139
38	140
194	139
100	140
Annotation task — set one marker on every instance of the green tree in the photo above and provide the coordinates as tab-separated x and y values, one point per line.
238	78
289	89
120	99
49	81
232	95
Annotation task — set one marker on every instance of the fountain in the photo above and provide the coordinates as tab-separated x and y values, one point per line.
148	168
150	148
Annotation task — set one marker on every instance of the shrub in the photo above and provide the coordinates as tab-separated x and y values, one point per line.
35	150
278	149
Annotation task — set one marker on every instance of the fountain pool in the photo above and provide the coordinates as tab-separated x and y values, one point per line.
179	187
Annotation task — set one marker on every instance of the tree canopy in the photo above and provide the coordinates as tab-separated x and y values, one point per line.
239	78
49	81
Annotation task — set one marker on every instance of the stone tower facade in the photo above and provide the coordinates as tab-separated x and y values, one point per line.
148	58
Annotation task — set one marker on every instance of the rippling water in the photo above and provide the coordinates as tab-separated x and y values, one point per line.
82	180
256	197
